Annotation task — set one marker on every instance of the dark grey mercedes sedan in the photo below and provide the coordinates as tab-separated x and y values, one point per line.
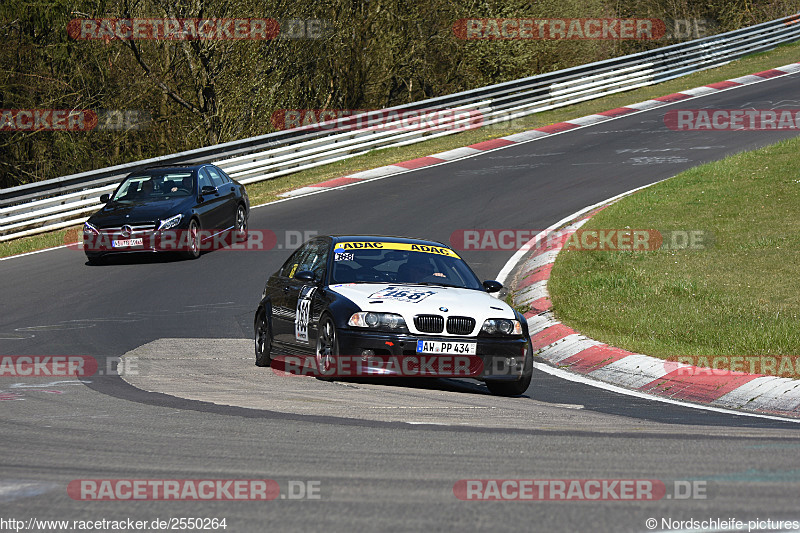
168	209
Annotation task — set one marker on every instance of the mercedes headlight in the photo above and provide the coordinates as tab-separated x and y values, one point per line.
170	222
89	229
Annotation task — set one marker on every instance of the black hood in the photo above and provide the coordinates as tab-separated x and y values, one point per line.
115	214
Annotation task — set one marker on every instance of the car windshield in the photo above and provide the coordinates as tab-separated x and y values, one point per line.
155	186
357	262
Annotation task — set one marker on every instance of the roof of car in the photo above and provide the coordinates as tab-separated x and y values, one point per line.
173	168
385	238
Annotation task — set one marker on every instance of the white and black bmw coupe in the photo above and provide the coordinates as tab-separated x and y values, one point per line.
370	299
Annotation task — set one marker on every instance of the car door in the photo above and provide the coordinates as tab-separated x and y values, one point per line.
278	287
210	206
298	323
227	193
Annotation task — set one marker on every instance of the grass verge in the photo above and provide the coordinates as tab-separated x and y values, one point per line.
268	191
41	241
739	296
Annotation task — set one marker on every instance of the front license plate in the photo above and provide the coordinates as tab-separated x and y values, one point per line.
466	348
127	243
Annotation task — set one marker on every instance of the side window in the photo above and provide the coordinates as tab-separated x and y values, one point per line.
216	177
316	258
225	177
204	178
291	266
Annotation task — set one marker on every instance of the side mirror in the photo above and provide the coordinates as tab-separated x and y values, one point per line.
492	286
208	189
105	198
305	276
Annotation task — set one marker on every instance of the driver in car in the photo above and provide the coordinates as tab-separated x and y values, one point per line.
186	185
415	269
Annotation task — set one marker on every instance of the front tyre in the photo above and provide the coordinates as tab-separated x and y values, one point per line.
263	341
518	387
327	348
241	224
193	240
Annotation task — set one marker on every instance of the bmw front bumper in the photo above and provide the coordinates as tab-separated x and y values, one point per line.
495	358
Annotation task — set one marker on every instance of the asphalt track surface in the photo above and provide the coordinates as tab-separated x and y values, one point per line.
394	470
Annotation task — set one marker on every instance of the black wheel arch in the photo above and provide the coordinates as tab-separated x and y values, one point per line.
265	307
340	310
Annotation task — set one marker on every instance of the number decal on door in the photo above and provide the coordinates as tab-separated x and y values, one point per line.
303	314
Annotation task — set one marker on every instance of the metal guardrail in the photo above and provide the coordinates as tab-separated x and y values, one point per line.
65	201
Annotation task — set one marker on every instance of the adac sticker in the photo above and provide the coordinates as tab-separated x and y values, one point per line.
370	245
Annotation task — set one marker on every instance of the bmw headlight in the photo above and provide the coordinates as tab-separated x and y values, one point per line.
501	326
170	222
378	321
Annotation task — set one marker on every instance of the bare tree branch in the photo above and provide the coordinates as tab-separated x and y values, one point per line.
160	84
